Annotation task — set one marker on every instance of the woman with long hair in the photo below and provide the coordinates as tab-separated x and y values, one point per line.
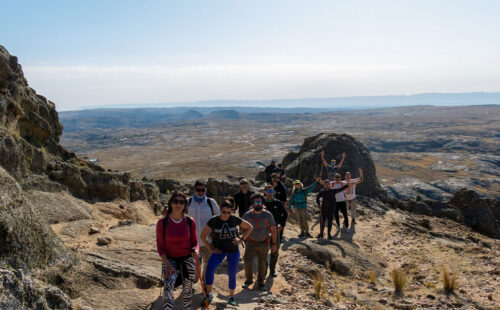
298	200
178	248
223	229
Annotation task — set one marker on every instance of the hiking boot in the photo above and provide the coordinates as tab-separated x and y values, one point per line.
247	284
301	235
262	287
330	237
273	273
346	229
308	235
320	236
231	301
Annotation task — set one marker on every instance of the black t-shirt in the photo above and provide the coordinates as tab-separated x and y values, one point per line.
224	232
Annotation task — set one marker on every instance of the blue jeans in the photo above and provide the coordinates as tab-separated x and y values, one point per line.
232	267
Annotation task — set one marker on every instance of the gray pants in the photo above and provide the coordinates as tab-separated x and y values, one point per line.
302	216
351	206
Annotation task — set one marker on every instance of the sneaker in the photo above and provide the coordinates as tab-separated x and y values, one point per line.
262	287
247	284
231	301
338	228
346	229
273	273
330	237
320	236
301	235
308	235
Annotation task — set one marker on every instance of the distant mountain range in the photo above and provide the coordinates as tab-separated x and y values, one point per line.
329	104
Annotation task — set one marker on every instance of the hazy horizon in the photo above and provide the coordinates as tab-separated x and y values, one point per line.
94	53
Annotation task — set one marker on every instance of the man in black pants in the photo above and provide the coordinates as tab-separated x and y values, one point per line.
280	193
242	201
340	202
327	206
280	215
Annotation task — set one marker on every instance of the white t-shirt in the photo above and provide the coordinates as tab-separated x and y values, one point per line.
350	192
339	196
201	213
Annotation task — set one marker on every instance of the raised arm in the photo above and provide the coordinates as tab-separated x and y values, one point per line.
343	188
342	160
310	188
323	159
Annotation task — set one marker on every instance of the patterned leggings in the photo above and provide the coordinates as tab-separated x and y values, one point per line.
187	284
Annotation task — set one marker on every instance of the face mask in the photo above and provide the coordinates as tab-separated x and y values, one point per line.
258	208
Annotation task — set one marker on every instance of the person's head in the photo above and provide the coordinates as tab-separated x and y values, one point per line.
297	184
337	177
348	176
333	162
275	177
257	200
269	191
326	184
226	208
177	203
200	187
244	185
273	163
280	165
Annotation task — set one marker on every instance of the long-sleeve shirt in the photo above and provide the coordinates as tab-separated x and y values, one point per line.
298	199
242	202
179	238
328	197
277	210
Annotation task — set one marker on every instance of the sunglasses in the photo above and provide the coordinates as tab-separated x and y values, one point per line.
257	202
275	177
200	190
226	212
269	191
179	201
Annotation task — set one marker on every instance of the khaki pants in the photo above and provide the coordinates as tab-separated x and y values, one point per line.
251	250
275	255
302	216
204	257
351	206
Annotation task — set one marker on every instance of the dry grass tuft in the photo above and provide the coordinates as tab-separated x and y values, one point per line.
399	280
450	283
318	281
372	277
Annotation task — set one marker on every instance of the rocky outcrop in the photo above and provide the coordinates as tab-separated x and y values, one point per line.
19	292
482	215
307	161
25	239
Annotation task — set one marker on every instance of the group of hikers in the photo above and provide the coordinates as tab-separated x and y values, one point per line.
196	235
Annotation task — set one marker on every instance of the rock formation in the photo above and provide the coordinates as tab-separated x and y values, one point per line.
307	161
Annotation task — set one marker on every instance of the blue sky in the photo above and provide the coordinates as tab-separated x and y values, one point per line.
86	53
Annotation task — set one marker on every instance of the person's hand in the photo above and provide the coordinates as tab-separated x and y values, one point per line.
323	153
343	154
360	171
274	248
236	241
195	254
169	270
279	227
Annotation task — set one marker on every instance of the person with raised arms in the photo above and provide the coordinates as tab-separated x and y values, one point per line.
350	193
298	200
332	168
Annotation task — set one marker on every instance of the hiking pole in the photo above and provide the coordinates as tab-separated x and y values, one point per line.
201	282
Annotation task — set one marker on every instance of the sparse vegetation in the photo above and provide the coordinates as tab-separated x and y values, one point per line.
449	282
319	289
399	280
372	277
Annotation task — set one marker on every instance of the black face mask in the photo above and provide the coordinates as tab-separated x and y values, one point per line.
258	208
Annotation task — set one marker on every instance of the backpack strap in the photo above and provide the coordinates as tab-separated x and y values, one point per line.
210	204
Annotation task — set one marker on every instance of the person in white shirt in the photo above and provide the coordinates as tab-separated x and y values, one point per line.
201	209
350	193
340	202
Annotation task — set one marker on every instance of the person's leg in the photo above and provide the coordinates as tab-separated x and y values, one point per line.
301	220
306	224
343	208
322	220
353	206
232	268
205	254
329	219
169	285
262	251
248	261
187	283
214	262
274	256
337	220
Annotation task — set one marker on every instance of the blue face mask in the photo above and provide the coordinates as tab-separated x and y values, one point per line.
198	199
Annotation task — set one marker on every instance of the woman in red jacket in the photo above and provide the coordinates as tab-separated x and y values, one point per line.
177	245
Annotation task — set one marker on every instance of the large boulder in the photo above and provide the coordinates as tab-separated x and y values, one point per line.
482	215
26	241
307	161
